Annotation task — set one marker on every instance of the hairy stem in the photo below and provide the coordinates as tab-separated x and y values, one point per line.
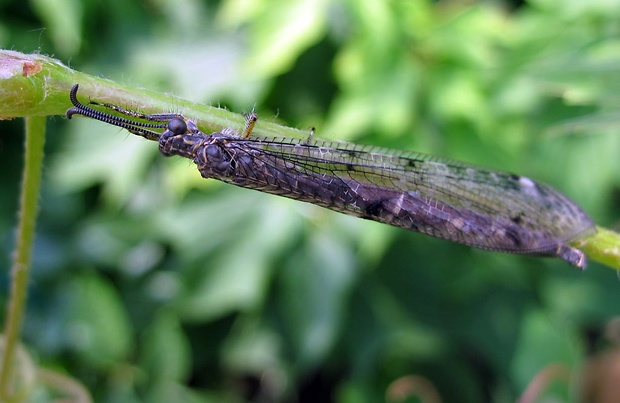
31	181
37	85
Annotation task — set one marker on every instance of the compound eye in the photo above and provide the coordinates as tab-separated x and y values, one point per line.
177	126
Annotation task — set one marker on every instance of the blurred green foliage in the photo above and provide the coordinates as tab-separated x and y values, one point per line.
152	284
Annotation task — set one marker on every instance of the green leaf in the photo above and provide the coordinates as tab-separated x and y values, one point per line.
63	20
98	324
541	343
166	351
280	32
316	283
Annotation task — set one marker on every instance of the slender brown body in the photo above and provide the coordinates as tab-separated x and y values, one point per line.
446	199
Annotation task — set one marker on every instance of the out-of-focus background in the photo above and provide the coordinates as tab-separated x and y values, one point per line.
153	284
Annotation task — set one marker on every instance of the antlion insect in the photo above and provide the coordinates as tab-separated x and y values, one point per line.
452	200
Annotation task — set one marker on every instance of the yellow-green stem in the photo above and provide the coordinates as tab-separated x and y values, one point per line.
33	161
37	85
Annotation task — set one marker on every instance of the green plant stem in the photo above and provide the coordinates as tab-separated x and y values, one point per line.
37	85
602	247
20	271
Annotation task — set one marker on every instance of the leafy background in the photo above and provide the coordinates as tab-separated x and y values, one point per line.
152	284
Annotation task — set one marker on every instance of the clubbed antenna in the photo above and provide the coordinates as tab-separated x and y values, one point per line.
135	127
